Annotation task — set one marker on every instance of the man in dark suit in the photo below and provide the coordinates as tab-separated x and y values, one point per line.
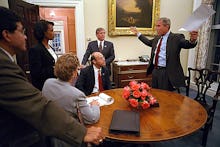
88	81
19	100
100	45
165	66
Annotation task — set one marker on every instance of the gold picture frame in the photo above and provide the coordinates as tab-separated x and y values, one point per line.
125	13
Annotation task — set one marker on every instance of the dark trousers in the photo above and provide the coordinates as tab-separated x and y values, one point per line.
160	79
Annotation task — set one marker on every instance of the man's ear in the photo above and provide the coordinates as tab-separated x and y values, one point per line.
6	35
93	61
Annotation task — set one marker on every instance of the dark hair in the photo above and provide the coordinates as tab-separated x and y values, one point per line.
8	20
99	29
40	28
166	21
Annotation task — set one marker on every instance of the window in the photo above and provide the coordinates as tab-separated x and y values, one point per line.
214	48
58	42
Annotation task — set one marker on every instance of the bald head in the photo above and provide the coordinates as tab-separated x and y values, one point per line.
98	59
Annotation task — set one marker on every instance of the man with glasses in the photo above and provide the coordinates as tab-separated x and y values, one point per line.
21	104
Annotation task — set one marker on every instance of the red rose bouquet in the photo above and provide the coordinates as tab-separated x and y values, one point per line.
138	95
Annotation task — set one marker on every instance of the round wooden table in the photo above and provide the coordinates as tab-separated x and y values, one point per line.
176	116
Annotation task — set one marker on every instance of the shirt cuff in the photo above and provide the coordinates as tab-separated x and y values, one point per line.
138	34
193	42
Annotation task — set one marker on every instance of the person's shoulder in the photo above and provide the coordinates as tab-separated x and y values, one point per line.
6	61
176	34
105	69
78	92
108	42
50	81
48	84
87	68
92	42
37	47
3	55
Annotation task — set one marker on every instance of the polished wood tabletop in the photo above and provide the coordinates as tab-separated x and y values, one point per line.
176	116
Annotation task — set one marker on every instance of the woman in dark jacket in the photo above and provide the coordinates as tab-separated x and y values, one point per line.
42	57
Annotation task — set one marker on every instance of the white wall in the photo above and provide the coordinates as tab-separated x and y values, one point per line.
129	47
126	47
4	3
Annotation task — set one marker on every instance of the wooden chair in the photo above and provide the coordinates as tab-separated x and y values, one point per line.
187	82
203	79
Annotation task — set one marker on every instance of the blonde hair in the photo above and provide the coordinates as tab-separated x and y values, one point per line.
65	66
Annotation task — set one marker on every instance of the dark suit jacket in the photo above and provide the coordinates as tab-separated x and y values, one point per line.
20	98
86	80
107	51
175	43
41	65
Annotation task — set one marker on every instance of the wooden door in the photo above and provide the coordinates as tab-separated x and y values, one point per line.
67	16
29	14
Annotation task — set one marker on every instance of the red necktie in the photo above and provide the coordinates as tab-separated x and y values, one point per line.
100	46
157	53
100	80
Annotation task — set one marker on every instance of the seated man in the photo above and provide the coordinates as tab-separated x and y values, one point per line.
88	80
68	97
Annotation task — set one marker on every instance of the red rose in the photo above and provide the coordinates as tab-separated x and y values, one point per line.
135	86
145	86
143	97
132	83
144	93
152	100
136	93
126	92
133	102
145	105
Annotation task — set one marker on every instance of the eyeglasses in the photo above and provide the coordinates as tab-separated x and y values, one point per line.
23	31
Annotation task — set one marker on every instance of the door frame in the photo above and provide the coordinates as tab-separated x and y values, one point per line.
80	30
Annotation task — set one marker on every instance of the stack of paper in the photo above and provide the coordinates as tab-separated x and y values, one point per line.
102	98
199	16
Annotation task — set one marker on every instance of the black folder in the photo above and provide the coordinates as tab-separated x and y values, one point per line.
124	121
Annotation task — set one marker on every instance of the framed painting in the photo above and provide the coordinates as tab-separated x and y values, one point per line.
122	14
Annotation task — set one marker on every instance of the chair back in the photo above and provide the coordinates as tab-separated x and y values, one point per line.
203	79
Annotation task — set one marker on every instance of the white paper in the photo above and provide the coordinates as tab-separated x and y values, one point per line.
102	98
199	16
126	63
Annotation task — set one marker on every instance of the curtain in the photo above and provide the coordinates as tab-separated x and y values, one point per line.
202	47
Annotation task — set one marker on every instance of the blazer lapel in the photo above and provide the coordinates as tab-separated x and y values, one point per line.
92	74
105	45
154	46
103	73
169	45
46	52
96	44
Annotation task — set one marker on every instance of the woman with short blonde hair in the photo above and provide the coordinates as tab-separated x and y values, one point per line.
68	97
65	66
